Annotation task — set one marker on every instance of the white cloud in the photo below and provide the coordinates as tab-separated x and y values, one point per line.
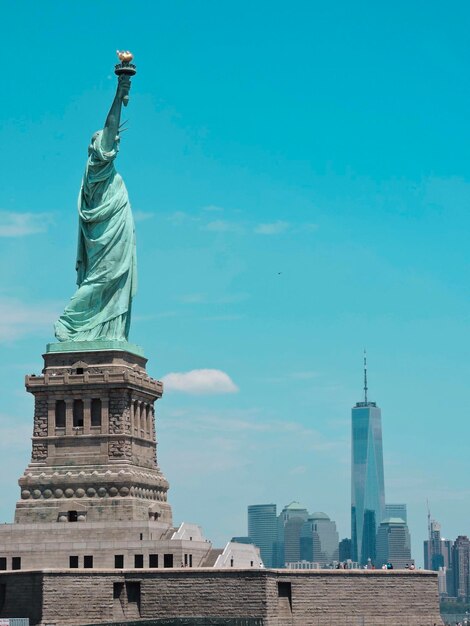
20	224
201	382
142	216
18	319
179	218
279	227
274	228
222	226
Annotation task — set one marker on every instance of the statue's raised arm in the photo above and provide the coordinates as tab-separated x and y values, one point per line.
113	120
124	71
100	309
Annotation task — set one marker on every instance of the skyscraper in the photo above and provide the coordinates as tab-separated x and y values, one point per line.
461	567
437	551
319	540
393	543
289	525
438	556
345	549
367	477
262	528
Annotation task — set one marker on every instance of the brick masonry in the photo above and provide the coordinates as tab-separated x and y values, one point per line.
277	597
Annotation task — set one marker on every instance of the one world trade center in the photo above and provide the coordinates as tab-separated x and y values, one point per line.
367	477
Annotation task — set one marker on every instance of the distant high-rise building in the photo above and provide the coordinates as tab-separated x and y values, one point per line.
442	577
461	567
345	548
438	557
393	543
396	510
319	539
450	579
437	551
367	477
289	526
262	528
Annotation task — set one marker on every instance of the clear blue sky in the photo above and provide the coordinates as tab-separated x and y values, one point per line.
326	141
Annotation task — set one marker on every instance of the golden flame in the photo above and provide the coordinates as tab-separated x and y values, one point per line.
125	56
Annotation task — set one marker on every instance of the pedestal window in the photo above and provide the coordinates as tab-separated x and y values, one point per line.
78	413
60	414
96	412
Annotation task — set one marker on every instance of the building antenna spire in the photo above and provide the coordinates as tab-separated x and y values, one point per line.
429	519
365	376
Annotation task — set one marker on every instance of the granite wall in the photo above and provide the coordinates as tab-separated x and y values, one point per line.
277	597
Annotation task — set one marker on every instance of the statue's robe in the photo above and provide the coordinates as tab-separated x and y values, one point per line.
106	267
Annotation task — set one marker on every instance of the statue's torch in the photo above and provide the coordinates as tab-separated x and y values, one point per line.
125	69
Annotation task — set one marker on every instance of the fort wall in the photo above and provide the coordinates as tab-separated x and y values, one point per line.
277	597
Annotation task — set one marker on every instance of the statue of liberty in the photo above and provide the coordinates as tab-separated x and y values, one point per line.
106	268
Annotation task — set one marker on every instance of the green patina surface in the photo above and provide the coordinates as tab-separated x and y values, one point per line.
91	346
100	309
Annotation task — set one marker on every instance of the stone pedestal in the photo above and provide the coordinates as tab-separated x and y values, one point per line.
94	445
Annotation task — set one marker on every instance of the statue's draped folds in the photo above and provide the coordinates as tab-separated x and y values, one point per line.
106	268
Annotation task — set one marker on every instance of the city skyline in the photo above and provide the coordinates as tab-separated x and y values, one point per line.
304	192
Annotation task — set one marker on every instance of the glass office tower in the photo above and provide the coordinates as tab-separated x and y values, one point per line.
262	528
367	478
